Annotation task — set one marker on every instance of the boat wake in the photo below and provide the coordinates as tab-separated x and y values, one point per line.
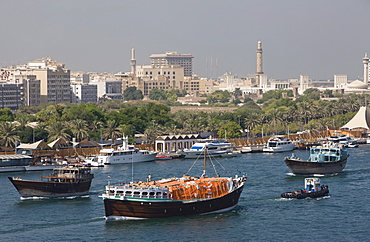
45	198
314	175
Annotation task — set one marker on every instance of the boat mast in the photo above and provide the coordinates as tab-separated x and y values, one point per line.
204	162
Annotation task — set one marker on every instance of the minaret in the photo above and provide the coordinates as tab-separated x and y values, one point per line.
259	61
133	62
365	60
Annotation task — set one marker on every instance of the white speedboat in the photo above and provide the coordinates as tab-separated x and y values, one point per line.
125	154
214	148
94	162
278	144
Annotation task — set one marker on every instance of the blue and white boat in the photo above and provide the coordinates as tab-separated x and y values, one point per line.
278	144
326	159
214	148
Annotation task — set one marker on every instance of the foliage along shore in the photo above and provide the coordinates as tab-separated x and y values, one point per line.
273	114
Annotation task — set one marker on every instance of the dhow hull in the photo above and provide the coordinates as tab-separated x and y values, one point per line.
304	167
144	209
28	188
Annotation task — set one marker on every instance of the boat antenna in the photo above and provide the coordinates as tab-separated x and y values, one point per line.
204	162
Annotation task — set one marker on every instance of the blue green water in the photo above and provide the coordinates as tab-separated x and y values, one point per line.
260	216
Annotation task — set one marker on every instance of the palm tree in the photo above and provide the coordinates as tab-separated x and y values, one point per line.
58	130
79	129
8	137
112	130
152	132
96	125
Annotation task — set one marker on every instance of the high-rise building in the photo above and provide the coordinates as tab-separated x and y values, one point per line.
53	78
174	59
31	91
11	95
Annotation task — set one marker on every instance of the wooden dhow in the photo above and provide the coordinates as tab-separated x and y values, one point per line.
68	181
171	197
326	159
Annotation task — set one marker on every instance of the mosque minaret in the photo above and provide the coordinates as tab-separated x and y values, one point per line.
365	60
133	62
259	61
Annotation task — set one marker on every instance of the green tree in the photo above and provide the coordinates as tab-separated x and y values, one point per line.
6	115
8	137
131	93
79	129
157	94
112	131
58	130
230	130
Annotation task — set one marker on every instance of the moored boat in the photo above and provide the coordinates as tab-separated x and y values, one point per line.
326	159
68	181
14	163
125	154
93	162
278	144
312	189
163	157
186	195
214	147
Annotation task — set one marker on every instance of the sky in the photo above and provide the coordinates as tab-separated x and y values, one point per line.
319	38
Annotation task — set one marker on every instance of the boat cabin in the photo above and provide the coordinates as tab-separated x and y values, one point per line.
326	154
68	174
312	184
130	191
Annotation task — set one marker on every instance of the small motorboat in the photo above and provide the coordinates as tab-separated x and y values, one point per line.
313	189
163	157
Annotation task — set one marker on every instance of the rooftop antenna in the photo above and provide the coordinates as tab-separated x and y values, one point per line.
207	68
216	69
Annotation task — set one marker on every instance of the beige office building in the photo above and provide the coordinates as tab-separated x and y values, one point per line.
174	59
54	79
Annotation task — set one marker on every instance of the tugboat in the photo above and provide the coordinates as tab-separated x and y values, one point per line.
171	197
313	189
68	181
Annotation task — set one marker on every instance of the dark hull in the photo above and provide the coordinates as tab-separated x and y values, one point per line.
300	195
125	209
29	188
303	167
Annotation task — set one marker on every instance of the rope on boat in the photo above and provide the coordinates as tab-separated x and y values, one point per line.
211	158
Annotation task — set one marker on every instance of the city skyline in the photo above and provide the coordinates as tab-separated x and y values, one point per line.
315	38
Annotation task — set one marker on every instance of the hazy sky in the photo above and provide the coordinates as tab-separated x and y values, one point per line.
318	38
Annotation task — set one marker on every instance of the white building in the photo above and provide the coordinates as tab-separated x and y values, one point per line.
303	84
340	81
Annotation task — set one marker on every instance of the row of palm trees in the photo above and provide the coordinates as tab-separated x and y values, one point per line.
307	114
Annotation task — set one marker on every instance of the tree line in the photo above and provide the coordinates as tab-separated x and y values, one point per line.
275	113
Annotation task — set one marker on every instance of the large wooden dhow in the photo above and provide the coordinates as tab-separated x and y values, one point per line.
326	159
172	197
68	181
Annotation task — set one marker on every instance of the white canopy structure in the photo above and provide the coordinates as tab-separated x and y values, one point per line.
360	120
34	146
